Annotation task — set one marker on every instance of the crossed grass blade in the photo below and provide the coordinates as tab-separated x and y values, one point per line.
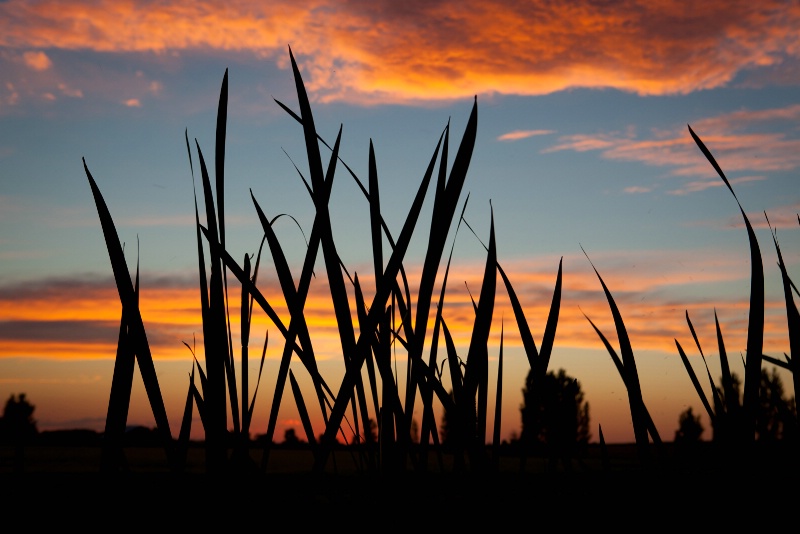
755	327
120	397
131	313
295	299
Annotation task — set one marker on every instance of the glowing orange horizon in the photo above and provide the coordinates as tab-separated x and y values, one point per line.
172	316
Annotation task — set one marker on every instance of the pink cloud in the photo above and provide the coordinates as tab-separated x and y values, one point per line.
516	135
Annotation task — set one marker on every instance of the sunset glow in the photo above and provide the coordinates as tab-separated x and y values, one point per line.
582	145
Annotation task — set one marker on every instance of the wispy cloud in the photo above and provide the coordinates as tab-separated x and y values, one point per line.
733	138
637	189
516	135
365	51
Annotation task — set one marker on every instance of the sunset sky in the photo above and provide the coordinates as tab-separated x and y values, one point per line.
582	142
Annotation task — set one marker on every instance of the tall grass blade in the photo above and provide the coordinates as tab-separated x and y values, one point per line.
630	374
755	328
445	204
375	218
216	341
244	322
477	373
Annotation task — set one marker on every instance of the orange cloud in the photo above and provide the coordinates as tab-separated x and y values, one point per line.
37	60
382	51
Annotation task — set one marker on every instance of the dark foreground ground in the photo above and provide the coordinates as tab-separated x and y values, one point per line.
62	486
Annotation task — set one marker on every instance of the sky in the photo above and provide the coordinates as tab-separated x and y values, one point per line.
582	145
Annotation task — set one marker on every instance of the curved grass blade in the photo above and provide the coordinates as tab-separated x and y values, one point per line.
755	328
630	375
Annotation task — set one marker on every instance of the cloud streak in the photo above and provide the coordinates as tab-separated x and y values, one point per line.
516	135
382	51
79	318
733	138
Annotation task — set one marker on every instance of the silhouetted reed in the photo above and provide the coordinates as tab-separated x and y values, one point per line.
388	319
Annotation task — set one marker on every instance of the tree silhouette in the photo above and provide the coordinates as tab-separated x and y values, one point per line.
777	415
290	438
555	420
689	427
18	427
18	424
